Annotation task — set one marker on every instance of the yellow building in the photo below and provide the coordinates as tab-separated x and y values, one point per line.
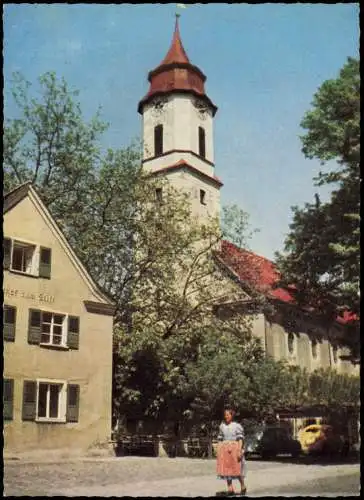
57	336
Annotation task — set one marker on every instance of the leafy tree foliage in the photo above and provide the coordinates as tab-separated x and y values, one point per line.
235	225
149	255
322	248
51	145
333	390
174	357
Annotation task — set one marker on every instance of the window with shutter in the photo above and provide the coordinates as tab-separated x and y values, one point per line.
29	400
34	328
51	401
23	257
53	329
73	402
9	322
6	253
8	399
45	259
73	336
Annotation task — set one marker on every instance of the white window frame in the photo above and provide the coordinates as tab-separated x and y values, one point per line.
64	328
62	401
34	271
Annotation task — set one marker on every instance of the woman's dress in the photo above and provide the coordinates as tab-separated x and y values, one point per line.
228	465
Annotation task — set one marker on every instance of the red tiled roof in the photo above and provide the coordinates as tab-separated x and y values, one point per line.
183	164
261	274
176	73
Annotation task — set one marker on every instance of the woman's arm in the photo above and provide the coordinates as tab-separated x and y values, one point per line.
240	439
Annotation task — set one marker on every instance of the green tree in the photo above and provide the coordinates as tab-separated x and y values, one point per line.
51	145
333	390
235	225
321	254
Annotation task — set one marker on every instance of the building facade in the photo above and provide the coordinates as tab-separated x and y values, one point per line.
57	336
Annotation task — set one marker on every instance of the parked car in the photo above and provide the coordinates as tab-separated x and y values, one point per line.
268	442
321	440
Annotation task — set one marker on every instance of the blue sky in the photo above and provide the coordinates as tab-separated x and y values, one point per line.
263	64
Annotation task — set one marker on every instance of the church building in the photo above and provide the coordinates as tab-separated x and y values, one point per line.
177	127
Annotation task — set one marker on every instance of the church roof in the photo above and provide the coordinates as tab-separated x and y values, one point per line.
176	73
262	275
176	53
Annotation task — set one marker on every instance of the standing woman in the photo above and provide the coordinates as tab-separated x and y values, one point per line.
230	454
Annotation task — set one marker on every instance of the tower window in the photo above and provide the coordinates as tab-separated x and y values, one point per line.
158	140
159	195
202	197
201	142
314	348
290	342
334	353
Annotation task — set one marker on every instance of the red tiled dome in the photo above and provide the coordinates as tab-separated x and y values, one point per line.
176	73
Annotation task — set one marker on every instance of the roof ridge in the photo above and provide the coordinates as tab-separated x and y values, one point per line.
250	252
20	186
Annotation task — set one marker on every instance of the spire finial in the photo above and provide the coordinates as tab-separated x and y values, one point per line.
179	6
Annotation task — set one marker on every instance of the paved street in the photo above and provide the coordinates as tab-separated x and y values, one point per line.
136	476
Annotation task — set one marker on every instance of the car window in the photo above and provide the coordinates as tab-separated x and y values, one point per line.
269	434
282	434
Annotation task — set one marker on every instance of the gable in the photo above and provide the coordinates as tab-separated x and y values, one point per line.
27	219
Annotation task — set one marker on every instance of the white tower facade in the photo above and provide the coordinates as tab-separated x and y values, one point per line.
177	118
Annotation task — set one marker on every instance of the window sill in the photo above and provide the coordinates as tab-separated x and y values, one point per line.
21	273
53	346
41	420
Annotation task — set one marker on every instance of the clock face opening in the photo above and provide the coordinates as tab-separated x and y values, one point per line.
159	105
201	108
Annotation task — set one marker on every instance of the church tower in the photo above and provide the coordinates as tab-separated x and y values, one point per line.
177	118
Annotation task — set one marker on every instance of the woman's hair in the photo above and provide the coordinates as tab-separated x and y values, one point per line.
230	410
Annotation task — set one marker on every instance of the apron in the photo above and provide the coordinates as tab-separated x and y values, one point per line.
227	464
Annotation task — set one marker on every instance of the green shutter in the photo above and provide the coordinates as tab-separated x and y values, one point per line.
73	335
73	402
8	399
45	261
6	252
9	323
29	400
34	327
